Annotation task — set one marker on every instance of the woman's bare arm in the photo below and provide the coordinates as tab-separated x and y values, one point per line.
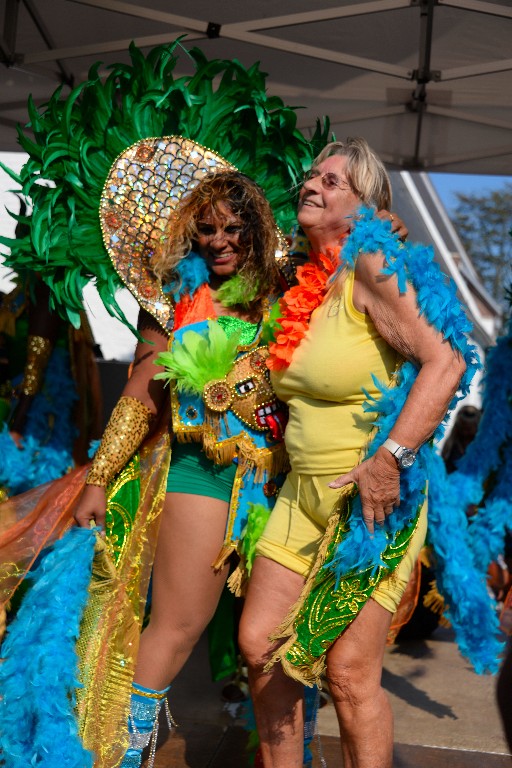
440	368
142	387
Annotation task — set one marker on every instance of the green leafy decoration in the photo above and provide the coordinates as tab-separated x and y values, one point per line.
73	141
199	358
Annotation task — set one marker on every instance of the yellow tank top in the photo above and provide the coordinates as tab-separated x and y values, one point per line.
323	386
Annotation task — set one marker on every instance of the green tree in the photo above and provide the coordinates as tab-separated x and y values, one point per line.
484	223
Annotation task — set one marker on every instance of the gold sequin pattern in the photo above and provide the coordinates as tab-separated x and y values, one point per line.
120	499
110	629
325	608
39	350
145	183
127	427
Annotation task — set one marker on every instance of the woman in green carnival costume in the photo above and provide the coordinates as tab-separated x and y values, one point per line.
218	262
371	328
89	147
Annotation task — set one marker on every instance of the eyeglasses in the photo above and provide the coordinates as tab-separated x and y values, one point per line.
329	179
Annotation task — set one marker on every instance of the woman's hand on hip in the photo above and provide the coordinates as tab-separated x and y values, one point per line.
378	482
92	507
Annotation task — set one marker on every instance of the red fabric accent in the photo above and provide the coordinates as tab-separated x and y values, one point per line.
194	309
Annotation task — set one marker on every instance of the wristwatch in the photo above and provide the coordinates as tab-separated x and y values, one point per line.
405	457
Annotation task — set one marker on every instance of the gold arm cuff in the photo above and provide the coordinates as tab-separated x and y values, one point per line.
39	350
126	429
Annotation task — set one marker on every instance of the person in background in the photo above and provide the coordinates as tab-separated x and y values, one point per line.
463	432
51	402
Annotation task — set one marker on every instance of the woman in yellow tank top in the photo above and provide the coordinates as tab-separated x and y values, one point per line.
340	537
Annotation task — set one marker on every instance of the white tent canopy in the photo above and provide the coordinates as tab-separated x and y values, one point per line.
427	82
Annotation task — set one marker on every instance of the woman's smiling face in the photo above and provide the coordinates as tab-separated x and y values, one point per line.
327	202
218	239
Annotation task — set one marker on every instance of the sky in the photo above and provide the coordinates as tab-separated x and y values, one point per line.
447	184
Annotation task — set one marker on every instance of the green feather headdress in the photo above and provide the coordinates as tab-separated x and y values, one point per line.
222	106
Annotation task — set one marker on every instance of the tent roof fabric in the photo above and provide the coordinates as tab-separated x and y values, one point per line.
427	82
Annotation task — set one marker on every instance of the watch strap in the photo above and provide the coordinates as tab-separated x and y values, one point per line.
392	446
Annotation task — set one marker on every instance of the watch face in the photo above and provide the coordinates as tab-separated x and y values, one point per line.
406	458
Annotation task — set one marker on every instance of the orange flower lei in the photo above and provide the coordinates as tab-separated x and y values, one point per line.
297	306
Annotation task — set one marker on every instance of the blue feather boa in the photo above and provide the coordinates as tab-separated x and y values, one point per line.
471	611
488	458
38	675
190	273
49	434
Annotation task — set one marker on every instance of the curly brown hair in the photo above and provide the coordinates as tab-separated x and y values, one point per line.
259	236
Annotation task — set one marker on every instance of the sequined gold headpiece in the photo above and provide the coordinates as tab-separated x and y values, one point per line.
145	183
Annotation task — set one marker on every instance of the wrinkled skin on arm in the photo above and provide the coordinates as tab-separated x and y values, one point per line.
397	319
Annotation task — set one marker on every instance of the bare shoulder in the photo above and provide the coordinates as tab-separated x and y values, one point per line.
371	284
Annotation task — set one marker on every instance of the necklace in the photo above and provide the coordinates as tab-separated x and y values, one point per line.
298	304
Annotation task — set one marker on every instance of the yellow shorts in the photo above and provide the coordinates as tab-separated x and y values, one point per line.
297	524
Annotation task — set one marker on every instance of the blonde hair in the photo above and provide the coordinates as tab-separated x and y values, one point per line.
365	171
258	238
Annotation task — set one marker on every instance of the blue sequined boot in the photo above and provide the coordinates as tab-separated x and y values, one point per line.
143	724
312	698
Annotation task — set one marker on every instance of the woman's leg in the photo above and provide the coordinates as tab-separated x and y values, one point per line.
185	590
277	699
354	672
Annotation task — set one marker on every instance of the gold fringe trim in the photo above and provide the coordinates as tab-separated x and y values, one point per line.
266	462
223	556
435	602
189	437
221	453
309	675
212	420
238	581
3	619
425	557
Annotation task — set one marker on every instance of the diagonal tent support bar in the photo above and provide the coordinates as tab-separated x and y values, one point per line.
492	9
357	117
129	9
241	32
8	122
66	75
324	14
469	117
110	47
463	157
8	34
474	70
236	32
273	22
